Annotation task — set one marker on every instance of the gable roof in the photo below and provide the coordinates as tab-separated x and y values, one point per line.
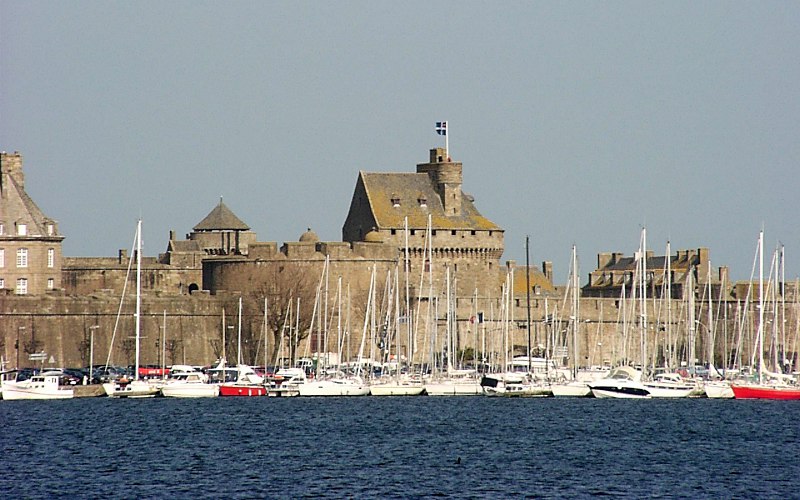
410	190
221	218
17	207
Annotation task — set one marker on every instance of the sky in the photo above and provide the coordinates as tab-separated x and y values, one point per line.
576	122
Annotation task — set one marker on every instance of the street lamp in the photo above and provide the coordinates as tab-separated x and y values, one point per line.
19	334
91	350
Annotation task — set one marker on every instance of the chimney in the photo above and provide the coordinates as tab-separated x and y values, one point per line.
547	269
723	274
11	169
171	235
603	259
123	256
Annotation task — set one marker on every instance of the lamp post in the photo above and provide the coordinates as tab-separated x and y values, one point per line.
19	334
91	350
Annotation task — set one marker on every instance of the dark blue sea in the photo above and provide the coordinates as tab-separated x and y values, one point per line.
415	447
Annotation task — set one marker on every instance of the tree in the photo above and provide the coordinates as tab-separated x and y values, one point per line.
290	291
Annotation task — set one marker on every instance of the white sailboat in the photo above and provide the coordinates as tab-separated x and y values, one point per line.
573	387
136	388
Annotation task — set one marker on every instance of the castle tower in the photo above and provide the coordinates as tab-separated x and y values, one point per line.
397	207
446	177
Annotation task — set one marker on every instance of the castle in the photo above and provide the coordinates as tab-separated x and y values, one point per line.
420	229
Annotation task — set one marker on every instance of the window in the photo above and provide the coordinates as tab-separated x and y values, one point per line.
50	230
452	233
2	228
2	257
22	257
22	229
22	286
51	257
2	283
51	283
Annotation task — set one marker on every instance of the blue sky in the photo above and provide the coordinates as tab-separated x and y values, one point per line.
576	122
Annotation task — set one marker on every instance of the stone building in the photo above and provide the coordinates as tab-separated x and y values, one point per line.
428	215
30	244
615	271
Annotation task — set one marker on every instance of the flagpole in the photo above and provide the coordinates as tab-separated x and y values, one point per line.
447	140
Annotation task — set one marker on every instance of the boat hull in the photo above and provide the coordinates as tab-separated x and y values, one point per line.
190	391
242	390
453	389
719	390
21	393
134	389
571	390
322	388
765	392
396	390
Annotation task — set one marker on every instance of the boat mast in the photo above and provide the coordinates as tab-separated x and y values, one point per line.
239	340
138	292
760	331
576	315
528	296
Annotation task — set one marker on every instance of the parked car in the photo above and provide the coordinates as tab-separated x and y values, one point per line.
108	374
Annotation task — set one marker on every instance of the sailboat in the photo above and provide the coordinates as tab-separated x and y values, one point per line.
247	383
775	387
136	388
399	384
574	387
626	381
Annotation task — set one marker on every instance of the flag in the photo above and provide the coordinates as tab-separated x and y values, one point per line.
441	128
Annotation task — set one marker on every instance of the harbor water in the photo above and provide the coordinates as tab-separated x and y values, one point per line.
369	447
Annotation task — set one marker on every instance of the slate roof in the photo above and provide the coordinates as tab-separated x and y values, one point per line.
221	218
17	207
184	246
409	189
660	262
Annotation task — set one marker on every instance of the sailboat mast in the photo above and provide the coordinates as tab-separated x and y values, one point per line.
528	296
761	307
138	293
575	312
239	335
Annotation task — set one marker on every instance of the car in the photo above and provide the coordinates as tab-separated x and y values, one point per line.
108	374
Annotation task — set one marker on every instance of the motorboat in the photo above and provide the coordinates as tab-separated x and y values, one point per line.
125	388
672	385
191	384
622	382
514	385
247	383
285	383
42	386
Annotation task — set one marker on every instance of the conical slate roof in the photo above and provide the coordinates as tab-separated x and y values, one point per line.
221	218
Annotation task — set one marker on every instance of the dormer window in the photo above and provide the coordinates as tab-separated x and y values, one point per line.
395	201
2	229
50	229
22	229
423	201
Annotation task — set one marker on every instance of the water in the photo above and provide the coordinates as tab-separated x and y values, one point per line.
398	448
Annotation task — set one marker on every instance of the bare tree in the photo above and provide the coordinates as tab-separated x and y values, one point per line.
283	287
